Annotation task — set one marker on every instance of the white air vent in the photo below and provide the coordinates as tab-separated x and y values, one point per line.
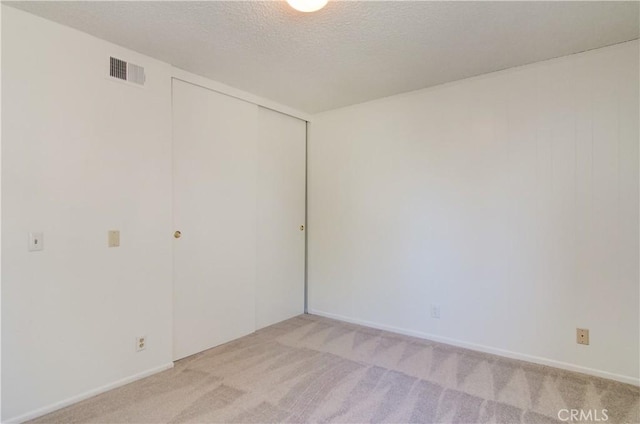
135	74
126	71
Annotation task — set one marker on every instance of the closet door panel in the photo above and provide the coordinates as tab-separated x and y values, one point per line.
280	218
214	195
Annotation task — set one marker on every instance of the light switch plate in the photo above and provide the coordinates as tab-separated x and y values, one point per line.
36	241
114	238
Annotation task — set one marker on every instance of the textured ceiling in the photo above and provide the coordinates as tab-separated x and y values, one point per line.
349	52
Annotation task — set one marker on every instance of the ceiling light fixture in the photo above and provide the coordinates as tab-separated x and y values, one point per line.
307	5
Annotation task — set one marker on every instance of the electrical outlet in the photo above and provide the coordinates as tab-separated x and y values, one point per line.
582	336
435	311
141	343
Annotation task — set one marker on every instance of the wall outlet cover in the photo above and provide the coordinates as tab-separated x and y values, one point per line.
435	311
141	343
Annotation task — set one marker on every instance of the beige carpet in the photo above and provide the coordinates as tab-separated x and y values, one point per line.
312	369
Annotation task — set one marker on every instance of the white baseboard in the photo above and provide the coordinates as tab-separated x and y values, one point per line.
74	399
482	348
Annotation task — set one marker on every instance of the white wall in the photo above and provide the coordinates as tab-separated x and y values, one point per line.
414	199
0	213
81	155
509	200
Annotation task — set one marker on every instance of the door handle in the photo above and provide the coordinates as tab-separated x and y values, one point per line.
177	234
302	228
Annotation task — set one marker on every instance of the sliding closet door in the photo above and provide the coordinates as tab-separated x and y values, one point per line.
214	192
281	215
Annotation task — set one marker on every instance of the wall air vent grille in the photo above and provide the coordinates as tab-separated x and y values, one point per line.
118	69
126	71
135	74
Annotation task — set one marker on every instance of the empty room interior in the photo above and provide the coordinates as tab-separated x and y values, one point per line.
312	211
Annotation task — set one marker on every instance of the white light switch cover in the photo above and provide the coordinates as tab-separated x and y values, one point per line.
36	241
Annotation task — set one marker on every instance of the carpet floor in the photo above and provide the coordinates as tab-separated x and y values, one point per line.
313	369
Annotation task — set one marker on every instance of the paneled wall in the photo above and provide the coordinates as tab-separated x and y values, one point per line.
508	201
